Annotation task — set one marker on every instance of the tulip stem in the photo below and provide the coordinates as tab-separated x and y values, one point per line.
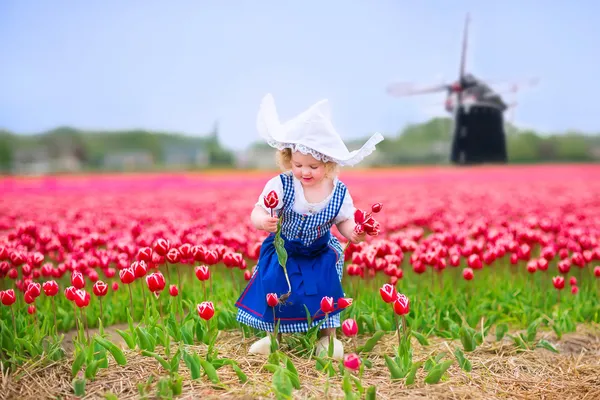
168	272
54	310
101	313
130	301
398	330
12	311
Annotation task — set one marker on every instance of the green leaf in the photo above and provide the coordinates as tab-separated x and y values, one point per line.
158	358
464	363
240	374
193	364
209	370
435	374
129	339
466	338
420	338
395	371
116	352
544	344
79	387
282	383
410	378
371	393
501	330
371	342
78	363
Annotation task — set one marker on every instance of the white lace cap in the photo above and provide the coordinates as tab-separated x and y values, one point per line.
310	132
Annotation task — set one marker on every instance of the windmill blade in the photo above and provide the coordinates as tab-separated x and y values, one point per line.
399	89
515	84
463	58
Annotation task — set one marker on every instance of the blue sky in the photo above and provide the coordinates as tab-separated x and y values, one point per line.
182	65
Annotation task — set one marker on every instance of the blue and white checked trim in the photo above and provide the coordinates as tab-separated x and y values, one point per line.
248	319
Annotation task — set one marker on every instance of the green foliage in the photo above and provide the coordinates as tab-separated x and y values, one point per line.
424	143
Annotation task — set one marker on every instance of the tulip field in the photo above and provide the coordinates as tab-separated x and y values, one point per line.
482	282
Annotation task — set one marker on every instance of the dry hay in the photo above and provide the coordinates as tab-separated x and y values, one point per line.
500	370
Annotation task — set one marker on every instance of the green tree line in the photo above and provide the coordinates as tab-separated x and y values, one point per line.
424	143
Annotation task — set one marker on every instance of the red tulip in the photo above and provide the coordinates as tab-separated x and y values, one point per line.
144	254
573	281
349	327
31	310
247	275
558	282
206	310
202	273
352	361
532	266
100	289
77	280
127	276
115	286
211	257
597	271
70	293
327	304
8	297
173	256
375	208
161	247
173	291
344	302
388	293
272	300
271	200
140	268
82	298
401	305
156	282
34	288
50	288
467	274
574	290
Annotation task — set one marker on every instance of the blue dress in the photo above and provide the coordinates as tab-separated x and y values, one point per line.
315	268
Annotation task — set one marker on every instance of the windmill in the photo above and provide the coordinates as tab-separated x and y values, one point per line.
478	111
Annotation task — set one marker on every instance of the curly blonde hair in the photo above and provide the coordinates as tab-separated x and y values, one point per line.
284	161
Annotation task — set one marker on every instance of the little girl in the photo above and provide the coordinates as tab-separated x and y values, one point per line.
310	200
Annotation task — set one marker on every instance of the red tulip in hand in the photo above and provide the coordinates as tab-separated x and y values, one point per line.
327	304
271	201
344	302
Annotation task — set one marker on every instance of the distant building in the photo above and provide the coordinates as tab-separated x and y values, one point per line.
128	160
182	156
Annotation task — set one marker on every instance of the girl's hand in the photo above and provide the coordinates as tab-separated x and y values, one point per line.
357	237
269	224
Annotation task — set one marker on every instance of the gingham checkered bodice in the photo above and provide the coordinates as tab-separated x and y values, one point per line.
309	227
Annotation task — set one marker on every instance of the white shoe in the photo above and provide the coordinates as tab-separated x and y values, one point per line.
262	346
323	345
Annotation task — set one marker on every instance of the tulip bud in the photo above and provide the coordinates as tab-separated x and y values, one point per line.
376	207
206	310
344	302
352	361
401	305
100	288
272	300
349	327
388	293
327	304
